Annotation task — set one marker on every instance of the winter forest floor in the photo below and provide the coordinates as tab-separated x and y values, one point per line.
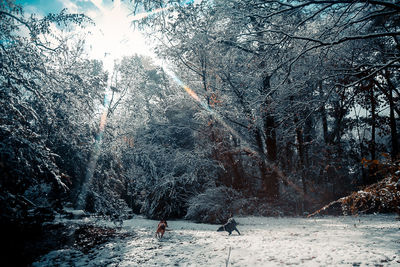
368	240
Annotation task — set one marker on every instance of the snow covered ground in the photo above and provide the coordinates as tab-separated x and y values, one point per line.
370	240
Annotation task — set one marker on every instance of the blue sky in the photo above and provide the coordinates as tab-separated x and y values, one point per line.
112	33
43	7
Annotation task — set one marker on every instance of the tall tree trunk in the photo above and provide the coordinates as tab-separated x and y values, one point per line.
269	124
373	124
340	112
392	120
271	181
270	137
300	147
308	136
234	170
323	116
238	166
372	177
360	143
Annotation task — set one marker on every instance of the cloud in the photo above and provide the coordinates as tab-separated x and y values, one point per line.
70	5
112	33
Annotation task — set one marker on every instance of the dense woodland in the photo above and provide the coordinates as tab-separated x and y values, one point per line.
297	104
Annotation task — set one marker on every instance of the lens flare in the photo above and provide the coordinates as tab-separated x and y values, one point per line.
103	118
202	103
81	201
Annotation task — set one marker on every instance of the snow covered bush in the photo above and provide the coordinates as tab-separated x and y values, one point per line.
169	199
215	205
105	195
108	204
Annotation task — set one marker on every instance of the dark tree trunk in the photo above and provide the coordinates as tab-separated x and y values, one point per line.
270	137
235	173
300	147
270	181
269	124
392	120
308	136
336	135
373	124
323	116
372	177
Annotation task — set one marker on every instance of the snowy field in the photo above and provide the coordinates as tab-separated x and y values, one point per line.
371	240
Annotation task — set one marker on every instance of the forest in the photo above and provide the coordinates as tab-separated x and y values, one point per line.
260	107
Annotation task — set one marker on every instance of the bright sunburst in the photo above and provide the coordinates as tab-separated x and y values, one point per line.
112	36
